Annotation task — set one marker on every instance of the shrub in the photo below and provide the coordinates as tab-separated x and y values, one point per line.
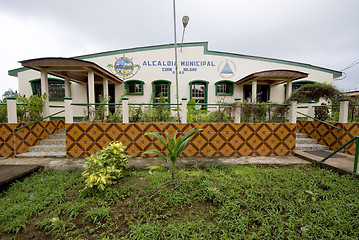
174	147
105	167
30	109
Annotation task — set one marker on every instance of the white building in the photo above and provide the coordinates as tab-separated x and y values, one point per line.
148	72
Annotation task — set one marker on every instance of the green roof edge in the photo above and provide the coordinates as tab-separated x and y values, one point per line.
335	73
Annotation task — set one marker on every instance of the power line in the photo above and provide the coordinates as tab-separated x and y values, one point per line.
350	66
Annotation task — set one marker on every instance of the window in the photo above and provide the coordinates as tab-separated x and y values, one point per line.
161	89
134	87
56	88
199	92
224	88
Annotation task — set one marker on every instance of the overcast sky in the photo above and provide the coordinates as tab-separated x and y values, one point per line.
323	33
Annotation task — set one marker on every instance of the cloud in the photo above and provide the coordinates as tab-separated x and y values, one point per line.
321	32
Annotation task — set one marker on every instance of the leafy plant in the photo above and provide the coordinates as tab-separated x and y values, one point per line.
30	109
315	91
105	167
321	112
174	148
96	215
3	111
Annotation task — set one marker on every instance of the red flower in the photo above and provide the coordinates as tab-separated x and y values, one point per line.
215	195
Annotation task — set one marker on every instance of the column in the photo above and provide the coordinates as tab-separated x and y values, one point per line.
289	88
344	111
237	110
311	111
11	109
241	92
125	113
45	90
293	112
91	94
69	115
118	93
254	91
184	110
67	87
106	96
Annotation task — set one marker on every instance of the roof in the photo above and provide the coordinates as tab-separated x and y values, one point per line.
75	69
206	51
273	76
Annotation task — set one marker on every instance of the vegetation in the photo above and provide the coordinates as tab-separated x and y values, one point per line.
105	167
218	202
30	109
174	148
315	91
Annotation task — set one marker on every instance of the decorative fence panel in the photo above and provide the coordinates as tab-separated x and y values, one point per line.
327	135
216	139
14	141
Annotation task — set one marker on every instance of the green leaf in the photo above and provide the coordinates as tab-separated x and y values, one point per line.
157	166
158	153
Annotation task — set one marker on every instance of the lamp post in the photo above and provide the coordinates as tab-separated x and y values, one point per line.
176	65
185	21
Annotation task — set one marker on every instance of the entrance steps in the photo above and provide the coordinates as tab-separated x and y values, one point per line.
305	143
54	146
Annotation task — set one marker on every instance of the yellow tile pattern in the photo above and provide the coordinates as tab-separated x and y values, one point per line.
216	139
332	137
18	141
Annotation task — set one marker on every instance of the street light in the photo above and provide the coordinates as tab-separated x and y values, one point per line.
176	65
185	21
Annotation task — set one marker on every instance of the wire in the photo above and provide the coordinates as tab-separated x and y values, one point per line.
350	66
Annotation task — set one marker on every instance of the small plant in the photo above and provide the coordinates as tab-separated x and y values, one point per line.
56	226
174	147
106	166
214	195
96	215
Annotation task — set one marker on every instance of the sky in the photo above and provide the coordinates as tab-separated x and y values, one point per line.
322	33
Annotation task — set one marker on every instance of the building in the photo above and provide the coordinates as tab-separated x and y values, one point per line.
145	74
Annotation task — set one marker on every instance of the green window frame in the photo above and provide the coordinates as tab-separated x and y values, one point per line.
197	94
56	88
134	87
161	84
224	88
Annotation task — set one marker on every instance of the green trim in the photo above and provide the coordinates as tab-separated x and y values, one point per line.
335	73
205	91
14	72
231	88
57	118
134	81
153	89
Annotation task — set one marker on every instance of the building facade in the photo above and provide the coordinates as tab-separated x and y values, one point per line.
146	74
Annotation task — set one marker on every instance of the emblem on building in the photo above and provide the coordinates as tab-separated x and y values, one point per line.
227	69
124	67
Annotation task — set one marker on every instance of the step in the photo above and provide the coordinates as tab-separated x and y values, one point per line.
43	154
53	141
58	136
306	141
302	135
304	147
48	148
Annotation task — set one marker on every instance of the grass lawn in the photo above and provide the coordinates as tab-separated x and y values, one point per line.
219	202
